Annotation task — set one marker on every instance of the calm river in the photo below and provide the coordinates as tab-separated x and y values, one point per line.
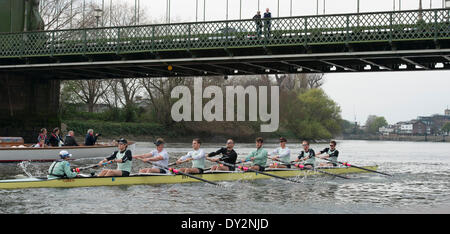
421	184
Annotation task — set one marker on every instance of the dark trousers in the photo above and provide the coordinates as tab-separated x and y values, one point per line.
267	25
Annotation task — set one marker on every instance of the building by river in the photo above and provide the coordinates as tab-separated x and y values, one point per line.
423	125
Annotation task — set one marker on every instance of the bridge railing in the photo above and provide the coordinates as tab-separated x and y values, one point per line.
287	31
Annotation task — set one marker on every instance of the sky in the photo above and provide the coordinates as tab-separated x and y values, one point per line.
397	96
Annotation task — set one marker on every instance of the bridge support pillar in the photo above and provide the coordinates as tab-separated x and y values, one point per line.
28	104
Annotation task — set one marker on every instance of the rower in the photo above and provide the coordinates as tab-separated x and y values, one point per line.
122	157
158	157
332	153
229	156
197	156
307	156
258	157
61	168
282	154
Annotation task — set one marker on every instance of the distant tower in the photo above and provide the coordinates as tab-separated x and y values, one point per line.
447	112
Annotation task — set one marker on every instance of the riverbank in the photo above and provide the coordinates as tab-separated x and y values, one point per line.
398	138
209	132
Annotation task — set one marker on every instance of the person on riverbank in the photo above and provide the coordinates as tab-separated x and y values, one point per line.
329	153
307	156
258	157
197	156
122	157
229	156
91	139
281	155
61	167
70	139
55	138
158	157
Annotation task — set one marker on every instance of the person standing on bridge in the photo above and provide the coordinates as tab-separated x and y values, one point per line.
267	22
258	23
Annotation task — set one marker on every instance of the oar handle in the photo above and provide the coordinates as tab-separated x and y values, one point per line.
92	166
170	164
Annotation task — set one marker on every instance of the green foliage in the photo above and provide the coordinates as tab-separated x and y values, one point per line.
347	127
114	129
446	127
310	115
129	114
373	123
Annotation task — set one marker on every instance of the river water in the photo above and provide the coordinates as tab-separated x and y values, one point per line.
421	184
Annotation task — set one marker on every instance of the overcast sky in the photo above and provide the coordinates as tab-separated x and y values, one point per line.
397	96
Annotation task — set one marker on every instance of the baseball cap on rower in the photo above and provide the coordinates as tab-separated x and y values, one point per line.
122	140
282	139
64	154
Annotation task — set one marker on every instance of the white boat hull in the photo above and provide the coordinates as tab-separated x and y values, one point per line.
51	153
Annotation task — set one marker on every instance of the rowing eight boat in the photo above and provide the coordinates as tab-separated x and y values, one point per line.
167	178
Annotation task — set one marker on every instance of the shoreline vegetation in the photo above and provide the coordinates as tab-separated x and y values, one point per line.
148	132
305	111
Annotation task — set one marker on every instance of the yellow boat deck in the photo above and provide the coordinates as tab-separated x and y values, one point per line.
167	179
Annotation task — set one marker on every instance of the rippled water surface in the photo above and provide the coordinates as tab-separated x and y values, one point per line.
421	184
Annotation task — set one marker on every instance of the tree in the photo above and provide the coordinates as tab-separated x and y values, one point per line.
299	81
374	122
60	14
446	128
349	127
158	90
310	115
85	91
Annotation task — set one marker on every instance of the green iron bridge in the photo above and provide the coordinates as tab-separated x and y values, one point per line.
365	42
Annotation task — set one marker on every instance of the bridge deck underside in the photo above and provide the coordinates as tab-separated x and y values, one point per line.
383	41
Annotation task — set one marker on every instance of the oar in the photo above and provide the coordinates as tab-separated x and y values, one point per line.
362	168
312	169
260	172
92	166
189	175
185	174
